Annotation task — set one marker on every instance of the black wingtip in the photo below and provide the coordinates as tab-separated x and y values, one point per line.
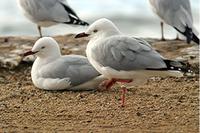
83	23
74	19
195	39
174	66
189	35
77	22
177	66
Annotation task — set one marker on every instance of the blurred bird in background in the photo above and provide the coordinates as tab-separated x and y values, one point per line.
178	14
46	13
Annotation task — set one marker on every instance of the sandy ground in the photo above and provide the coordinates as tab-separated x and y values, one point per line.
161	105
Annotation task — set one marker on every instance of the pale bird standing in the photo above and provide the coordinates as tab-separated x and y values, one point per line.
178	14
125	59
46	13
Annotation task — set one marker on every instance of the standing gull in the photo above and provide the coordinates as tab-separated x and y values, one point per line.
46	13
178	14
125	59
52	71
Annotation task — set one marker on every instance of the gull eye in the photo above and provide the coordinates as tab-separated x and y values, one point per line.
42	47
95	31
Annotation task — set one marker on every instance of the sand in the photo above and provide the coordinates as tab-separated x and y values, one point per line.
161	105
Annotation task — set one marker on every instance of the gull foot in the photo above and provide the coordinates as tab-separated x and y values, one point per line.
123	96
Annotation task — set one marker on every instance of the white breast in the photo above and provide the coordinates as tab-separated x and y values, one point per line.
89	54
35	73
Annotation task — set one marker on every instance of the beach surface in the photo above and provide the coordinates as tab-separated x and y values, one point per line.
160	105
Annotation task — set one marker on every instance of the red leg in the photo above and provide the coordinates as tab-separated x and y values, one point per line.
108	83
124	90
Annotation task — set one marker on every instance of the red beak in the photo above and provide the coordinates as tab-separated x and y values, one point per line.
29	53
81	35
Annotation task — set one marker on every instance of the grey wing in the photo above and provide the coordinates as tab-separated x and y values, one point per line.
70	11
75	67
176	13
186	4
183	12
125	53
61	12
50	10
63	1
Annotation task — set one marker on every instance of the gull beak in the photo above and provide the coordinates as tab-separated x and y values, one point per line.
80	35
29	53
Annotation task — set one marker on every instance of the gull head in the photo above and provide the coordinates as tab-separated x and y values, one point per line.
100	28
45	47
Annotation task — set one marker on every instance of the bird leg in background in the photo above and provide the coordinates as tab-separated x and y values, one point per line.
177	37
162	31
40	32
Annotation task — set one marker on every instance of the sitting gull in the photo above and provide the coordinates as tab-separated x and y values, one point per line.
52	71
46	13
125	59
178	14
